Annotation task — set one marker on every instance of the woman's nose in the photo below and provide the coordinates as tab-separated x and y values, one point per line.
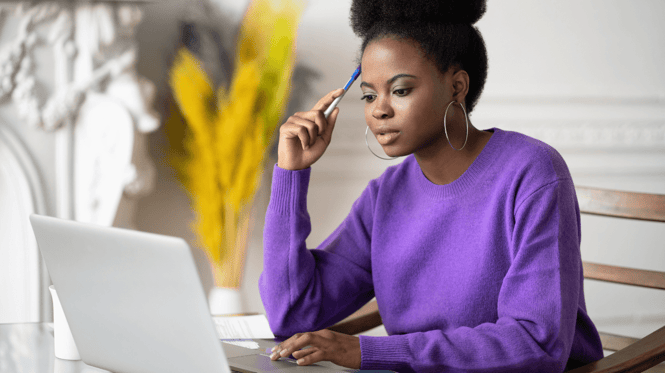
382	110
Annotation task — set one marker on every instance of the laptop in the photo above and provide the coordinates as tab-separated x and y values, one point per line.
135	303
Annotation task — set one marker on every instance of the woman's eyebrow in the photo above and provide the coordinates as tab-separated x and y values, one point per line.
389	81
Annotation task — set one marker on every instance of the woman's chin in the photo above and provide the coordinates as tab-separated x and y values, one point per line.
394	152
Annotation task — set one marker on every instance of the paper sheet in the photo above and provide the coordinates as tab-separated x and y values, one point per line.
246	344
243	327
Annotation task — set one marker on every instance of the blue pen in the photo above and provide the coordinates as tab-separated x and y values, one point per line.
346	88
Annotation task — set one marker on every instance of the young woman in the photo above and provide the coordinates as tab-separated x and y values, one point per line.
470	245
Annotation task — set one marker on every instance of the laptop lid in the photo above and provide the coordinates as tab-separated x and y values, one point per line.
133	300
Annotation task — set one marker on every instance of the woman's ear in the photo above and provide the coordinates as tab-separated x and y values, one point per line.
460	82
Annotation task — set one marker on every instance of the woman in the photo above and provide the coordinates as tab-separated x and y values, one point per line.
470	245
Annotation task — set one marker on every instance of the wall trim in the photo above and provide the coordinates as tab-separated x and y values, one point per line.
39	308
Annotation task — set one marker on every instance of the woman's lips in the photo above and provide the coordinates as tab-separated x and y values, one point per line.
387	138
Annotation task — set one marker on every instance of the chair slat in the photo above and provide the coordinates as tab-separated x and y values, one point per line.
660	368
613	342
623	275
629	205
645	353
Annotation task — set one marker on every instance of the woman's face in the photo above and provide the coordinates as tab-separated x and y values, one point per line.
406	97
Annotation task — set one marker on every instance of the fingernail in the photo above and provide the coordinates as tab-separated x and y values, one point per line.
301	361
284	353
273	356
274	349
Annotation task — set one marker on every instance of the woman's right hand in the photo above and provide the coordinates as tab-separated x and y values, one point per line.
306	135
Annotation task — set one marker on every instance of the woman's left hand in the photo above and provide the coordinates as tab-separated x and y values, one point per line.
325	345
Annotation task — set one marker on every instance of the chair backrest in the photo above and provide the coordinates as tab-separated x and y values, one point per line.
627	205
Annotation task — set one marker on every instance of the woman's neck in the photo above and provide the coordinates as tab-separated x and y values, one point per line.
445	165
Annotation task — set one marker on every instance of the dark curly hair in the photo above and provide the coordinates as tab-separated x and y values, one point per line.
443	30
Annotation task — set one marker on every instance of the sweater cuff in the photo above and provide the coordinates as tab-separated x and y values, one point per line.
288	188
392	352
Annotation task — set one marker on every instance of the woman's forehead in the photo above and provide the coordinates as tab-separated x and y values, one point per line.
387	57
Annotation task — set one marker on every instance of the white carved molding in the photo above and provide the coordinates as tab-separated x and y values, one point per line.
593	135
94	52
21	194
605	100
96	105
90	53
598	135
103	141
581	123
573	124
568	136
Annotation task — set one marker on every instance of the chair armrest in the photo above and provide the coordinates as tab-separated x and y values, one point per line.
366	318
639	356
613	342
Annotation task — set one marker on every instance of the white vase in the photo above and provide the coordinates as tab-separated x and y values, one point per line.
225	301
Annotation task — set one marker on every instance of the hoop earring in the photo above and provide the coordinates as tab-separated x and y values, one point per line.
466	117
370	149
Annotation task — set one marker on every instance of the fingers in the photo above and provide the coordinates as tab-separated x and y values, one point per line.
314	121
305	136
282	346
308	350
326	100
300	345
314	357
322	345
300	341
332	119
310	125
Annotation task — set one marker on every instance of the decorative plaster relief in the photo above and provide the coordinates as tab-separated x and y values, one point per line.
103	145
96	107
600	125
94	54
593	135
598	136
570	135
21	194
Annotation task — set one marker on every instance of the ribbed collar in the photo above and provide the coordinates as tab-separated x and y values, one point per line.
469	178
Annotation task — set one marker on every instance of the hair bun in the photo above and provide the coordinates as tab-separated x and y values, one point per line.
365	13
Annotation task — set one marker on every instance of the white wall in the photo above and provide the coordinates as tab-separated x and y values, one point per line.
585	77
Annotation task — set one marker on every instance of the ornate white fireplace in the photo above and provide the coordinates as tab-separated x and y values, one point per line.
74	115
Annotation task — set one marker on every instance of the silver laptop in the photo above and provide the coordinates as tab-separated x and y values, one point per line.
135	303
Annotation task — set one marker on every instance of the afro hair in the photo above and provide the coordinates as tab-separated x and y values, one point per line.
443	30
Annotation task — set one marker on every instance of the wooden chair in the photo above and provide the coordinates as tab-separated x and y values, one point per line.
631	354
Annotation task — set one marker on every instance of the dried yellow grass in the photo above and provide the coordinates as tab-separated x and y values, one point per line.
230	132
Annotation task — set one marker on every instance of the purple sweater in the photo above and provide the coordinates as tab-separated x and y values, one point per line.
482	274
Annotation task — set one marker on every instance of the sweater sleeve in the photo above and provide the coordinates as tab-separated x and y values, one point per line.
537	304
306	290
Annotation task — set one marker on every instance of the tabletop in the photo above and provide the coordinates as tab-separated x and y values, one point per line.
28	348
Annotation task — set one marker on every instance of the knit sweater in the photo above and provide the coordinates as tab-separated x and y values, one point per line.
482	274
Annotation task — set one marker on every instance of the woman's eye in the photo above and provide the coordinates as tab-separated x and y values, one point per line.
368	98
401	91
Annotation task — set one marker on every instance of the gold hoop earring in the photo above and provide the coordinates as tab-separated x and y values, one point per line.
466	117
